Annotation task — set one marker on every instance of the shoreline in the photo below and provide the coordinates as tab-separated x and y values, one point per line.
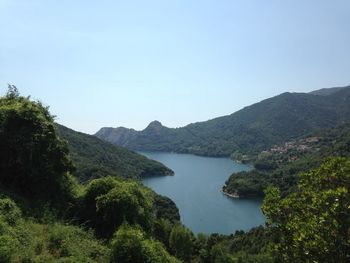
234	195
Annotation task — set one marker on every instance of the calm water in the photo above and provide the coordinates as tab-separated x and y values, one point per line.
195	188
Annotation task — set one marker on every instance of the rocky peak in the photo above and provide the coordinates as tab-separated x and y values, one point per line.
155	125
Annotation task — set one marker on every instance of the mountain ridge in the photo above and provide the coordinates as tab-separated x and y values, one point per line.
251	129
327	91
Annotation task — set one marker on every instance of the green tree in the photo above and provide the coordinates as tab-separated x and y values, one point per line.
165	208
131	245
12	92
161	230
220	254
86	207
181	242
9	211
128	201
33	160
313	223
107	202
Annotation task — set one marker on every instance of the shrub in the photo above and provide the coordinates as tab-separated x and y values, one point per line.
131	245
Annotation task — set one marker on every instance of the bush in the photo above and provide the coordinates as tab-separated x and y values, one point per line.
9	211
71	242
109	201
128	201
8	247
131	245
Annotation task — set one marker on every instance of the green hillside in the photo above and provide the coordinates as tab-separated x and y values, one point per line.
94	158
280	165
250	130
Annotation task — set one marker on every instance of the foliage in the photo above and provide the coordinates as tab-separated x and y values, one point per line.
313	223
129	202
161	231
165	208
95	158
255	241
24	240
9	212
131	245
109	201
75	244
245	184
251	246
86	210
181	242
33	160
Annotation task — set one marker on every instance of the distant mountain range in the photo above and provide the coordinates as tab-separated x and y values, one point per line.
95	158
251	129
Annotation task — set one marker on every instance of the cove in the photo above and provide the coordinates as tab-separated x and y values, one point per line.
196	190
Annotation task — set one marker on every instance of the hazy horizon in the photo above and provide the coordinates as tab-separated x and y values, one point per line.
117	63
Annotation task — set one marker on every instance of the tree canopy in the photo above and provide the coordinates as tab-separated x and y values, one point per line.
313	223
33	160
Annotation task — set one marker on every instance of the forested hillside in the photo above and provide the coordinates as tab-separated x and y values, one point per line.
95	158
250	130
280	165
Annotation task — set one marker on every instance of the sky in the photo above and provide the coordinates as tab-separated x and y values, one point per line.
127	63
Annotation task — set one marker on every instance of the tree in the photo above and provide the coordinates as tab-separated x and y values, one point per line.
12	92
127	201
181	242
86	207
108	202
165	208
313	223
33	160
9	211
131	245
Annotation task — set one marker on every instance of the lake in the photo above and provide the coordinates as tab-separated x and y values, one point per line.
196	190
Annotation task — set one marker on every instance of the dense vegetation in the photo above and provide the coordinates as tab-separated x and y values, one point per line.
33	160
40	198
313	223
250	130
281	169
24	239
95	158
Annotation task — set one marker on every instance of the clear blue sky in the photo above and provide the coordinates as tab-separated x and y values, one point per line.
126	63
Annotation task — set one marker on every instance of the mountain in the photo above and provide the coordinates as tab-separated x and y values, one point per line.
95	158
251	129
327	91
